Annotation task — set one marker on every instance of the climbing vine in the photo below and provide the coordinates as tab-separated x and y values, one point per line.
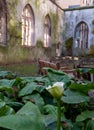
14	26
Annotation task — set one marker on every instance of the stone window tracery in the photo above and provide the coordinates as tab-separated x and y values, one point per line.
28	26
81	35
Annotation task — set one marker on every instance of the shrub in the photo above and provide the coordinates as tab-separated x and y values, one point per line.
68	45
91	51
39	43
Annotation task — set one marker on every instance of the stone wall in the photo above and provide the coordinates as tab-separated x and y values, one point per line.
40	8
14	51
73	17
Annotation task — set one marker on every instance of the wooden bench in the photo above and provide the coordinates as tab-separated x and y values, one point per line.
43	63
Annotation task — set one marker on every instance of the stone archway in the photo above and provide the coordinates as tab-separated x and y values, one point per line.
28	26
81	35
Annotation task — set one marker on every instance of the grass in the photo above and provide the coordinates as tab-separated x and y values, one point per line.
22	69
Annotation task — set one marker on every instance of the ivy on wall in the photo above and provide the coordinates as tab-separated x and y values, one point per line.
12	4
14	26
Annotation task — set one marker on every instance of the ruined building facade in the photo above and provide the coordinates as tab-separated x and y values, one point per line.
32	28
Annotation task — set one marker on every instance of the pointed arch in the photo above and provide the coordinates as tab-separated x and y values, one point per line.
3	22
81	35
47	31
28	26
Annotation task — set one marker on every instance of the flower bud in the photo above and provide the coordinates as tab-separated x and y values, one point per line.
56	90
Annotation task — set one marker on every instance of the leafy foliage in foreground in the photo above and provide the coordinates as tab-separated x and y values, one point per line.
25	104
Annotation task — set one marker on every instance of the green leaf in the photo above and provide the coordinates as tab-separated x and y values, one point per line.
50	109
92	71
83	70
6	110
6	82
58	76
6	85
27	118
85	115
14	104
7	74
36	98
75	99
7	89
51	122
28	79
78	126
82	87
2	103
72	97
28	89
90	125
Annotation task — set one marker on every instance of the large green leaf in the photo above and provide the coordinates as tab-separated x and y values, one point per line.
28	89
82	87
50	109
51	122
6	110
27	79
6	85
58	76
78	126
2	103
86	70
6	82
90	125
72	97
36	98
83	70
7	74
42	80
92	71
7	89
85	115
27	118
15	105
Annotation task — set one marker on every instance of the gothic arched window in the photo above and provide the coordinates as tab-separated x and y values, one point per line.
47	31
81	35
28	26
3	22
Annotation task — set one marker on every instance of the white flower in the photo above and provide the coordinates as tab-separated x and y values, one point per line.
56	90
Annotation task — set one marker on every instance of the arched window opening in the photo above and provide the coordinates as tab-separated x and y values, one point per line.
47	31
28	26
81	35
3	22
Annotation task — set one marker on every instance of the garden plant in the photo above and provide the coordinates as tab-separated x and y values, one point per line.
28	103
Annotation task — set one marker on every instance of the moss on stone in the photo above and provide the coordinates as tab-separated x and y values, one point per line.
14	26
54	20
37	4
